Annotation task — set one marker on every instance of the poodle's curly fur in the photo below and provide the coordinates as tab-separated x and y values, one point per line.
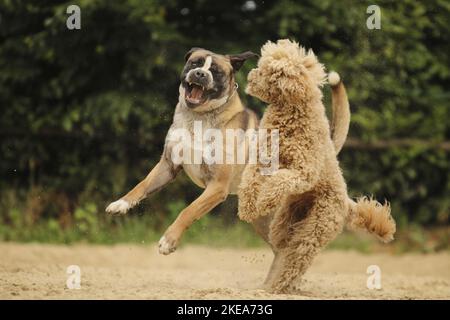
306	199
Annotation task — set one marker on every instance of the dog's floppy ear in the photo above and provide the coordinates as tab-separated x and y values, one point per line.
237	60
188	54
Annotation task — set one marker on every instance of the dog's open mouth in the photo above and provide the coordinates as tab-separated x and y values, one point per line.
195	94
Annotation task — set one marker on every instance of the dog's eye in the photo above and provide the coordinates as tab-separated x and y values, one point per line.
196	63
214	68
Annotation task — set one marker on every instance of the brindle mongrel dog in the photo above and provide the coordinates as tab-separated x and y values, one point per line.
207	93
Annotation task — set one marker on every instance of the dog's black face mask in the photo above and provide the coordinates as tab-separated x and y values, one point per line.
207	80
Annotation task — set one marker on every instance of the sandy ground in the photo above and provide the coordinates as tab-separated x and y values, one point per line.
36	271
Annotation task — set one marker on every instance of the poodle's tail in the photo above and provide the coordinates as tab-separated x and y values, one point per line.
372	216
341	111
365	213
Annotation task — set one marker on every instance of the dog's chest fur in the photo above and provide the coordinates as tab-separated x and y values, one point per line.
185	119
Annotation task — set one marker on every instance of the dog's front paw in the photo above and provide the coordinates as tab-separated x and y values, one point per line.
118	207
167	245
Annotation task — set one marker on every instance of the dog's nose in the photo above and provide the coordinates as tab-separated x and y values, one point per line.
200	74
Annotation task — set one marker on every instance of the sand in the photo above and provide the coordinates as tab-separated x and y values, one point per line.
38	271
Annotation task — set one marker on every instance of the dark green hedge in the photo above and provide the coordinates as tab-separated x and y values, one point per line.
84	113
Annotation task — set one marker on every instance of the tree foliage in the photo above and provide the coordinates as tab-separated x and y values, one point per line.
84	112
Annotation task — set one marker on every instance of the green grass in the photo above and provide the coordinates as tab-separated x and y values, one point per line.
91	226
212	233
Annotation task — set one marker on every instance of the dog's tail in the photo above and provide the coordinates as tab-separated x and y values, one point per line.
365	213
341	111
372	216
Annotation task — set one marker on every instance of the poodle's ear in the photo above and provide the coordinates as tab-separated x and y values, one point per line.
188	54
237	60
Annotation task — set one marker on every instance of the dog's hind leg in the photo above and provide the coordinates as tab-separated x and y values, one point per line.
274	268
277	235
323	223
261	225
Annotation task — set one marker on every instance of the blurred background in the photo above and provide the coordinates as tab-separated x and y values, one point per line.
84	112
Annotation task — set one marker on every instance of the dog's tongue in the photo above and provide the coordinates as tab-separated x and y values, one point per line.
196	92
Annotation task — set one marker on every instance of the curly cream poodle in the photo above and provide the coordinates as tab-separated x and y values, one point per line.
305	201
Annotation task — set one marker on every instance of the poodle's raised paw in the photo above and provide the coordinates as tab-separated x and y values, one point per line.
247	211
246	207
267	203
272	195
248	192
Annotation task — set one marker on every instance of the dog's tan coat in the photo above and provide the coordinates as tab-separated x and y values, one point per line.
218	180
